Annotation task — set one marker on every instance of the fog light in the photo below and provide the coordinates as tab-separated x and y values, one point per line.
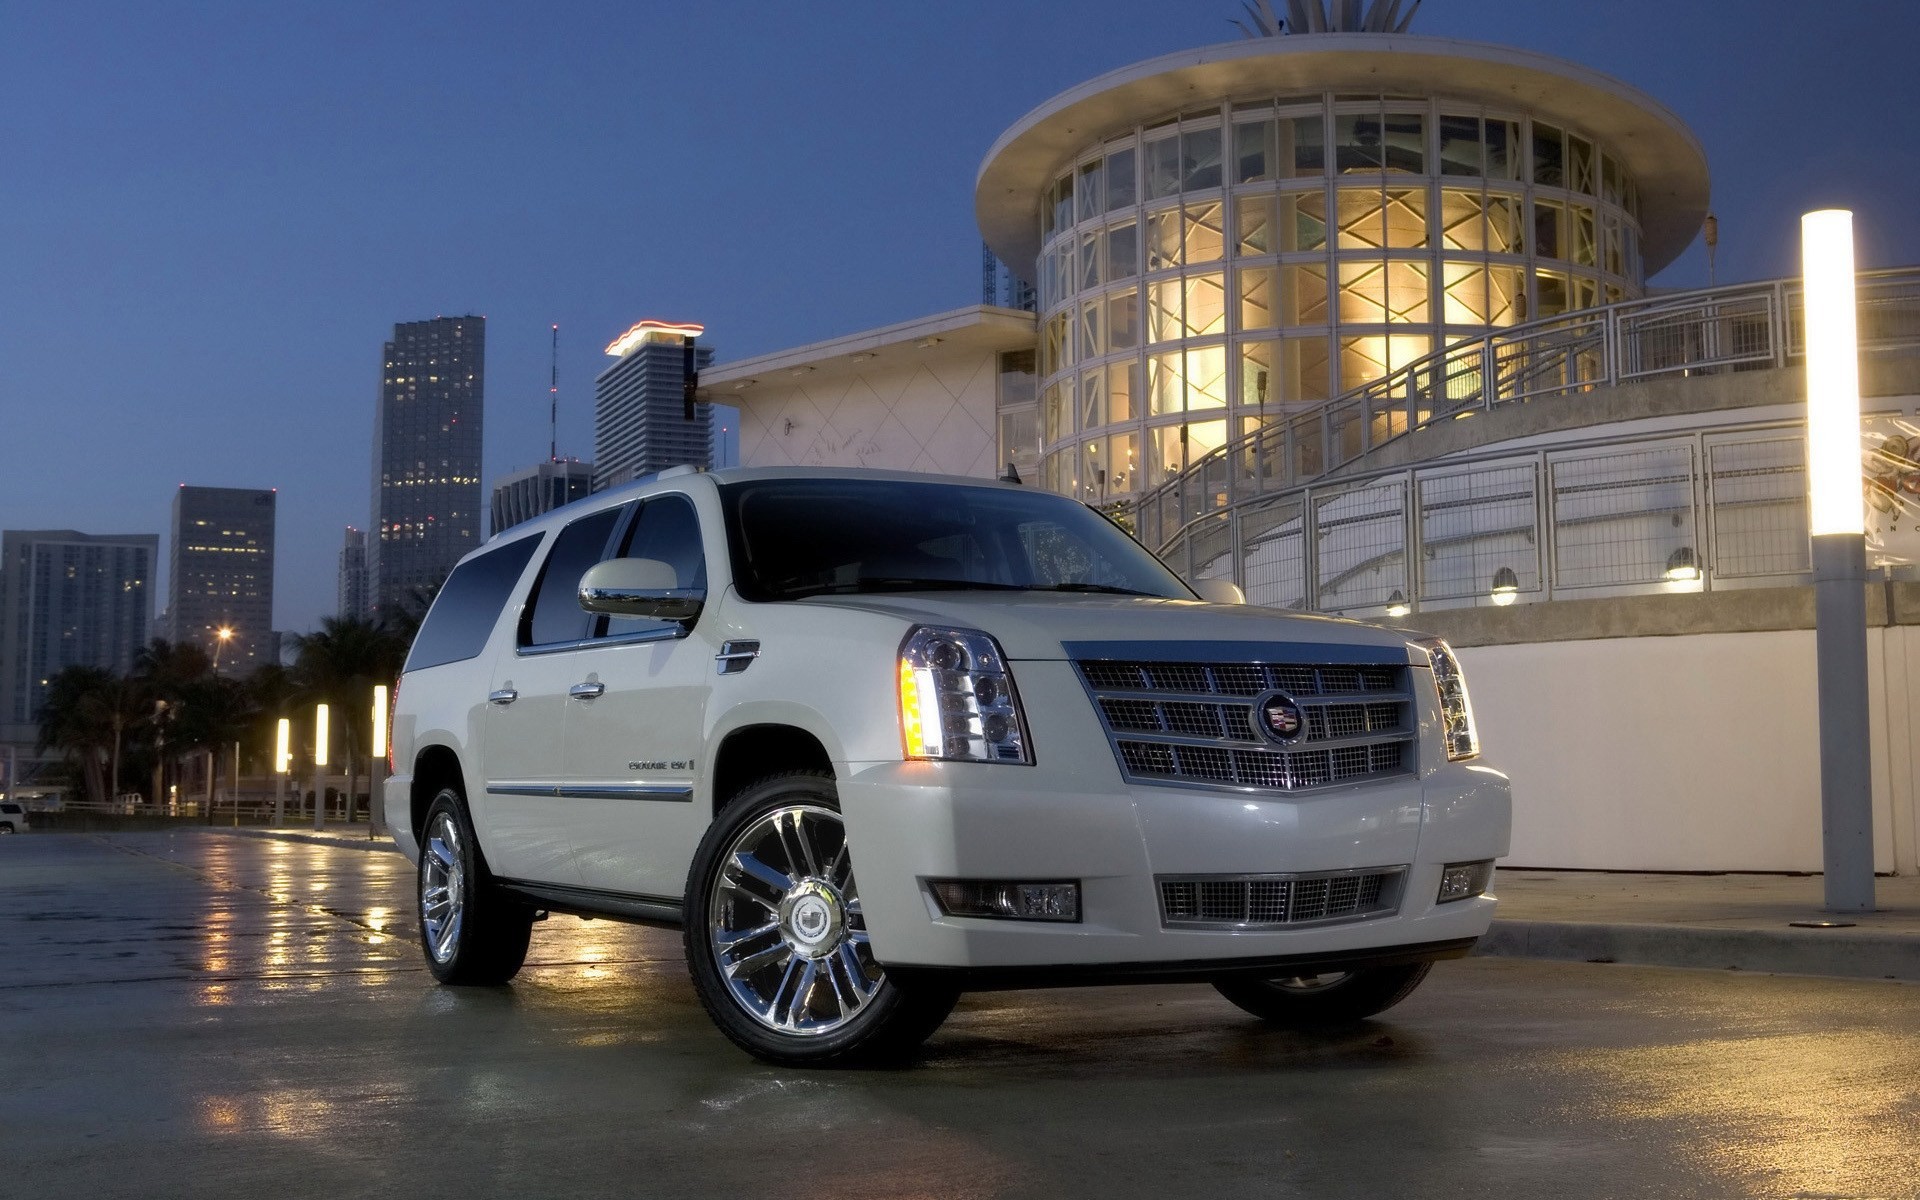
1008	899
1462	881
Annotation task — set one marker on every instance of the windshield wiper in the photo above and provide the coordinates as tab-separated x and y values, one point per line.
1102	588
901	585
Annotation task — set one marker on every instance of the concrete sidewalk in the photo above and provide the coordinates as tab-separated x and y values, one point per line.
1732	922
1717	922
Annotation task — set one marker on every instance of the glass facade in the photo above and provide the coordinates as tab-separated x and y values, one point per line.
1239	263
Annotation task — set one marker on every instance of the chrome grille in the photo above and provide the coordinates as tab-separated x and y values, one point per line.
1196	722
1250	901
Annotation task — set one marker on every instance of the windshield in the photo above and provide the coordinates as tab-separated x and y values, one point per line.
812	537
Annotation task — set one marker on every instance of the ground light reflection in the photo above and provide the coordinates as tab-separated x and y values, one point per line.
1800	1117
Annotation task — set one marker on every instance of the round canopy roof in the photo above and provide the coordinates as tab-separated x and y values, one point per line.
1657	150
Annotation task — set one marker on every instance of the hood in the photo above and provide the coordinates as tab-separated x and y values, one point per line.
1038	625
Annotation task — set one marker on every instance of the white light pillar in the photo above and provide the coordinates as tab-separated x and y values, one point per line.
320	734
1838	525
282	763
377	766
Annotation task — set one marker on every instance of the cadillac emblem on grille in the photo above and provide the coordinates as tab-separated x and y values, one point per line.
1279	716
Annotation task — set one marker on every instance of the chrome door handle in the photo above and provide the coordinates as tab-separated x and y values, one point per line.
503	697
587	691
735	657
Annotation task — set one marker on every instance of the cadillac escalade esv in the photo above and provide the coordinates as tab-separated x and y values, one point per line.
872	740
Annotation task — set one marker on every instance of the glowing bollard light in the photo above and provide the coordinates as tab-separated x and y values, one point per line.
320	734
377	766
1838	525
282	764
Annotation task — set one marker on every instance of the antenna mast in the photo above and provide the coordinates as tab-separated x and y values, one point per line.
553	399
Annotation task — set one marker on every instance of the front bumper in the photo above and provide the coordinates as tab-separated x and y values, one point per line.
911	822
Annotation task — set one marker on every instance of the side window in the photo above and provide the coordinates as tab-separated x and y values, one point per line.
555	614
667	530
468	606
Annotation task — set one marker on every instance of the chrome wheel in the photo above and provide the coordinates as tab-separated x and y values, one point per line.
442	894
786	927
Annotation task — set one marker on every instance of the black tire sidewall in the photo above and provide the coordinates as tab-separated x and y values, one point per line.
493	930
1361	995
871	1032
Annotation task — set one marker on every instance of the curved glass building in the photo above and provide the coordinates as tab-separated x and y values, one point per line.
1225	235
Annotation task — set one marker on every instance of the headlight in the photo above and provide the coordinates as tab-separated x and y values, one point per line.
957	700
1456	710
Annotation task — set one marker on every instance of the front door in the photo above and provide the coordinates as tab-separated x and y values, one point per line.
634	743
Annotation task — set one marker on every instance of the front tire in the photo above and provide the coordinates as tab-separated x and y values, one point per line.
1320	1001
472	932
776	939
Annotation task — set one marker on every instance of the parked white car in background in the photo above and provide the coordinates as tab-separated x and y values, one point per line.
13	818
876	739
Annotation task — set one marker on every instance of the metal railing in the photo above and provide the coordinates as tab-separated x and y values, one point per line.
1714	508
1735	328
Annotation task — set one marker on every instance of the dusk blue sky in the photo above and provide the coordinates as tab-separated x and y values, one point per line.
212	215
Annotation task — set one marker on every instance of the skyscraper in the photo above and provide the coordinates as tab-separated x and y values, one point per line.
67	599
539	489
350	597
426	457
639	415
221	574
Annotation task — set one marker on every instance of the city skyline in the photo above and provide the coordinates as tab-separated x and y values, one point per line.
254	201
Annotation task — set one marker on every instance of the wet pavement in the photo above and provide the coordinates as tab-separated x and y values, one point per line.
185	1014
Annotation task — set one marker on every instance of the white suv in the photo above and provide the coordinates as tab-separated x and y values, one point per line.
13	818
875	739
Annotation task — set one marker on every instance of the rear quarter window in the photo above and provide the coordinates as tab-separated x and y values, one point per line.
468	606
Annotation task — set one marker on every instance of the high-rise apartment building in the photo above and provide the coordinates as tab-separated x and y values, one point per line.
67	599
426	458
220	574
350	598
639	415
539	489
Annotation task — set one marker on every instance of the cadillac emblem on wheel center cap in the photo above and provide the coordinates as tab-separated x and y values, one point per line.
811	920
1280	717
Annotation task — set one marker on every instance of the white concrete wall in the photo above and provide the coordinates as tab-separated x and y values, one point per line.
1691	753
928	414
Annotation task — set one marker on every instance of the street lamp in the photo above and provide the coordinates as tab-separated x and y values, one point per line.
221	637
1837	522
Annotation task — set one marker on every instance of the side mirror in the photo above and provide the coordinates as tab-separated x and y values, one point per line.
1218	591
639	587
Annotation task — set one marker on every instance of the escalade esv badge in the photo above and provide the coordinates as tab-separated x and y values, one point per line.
1278	716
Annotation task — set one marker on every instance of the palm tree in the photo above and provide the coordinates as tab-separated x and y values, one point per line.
73	721
213	712
340	665
169	672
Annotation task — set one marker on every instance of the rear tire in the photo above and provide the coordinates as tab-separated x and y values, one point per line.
471	930
1320	1001
776	939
